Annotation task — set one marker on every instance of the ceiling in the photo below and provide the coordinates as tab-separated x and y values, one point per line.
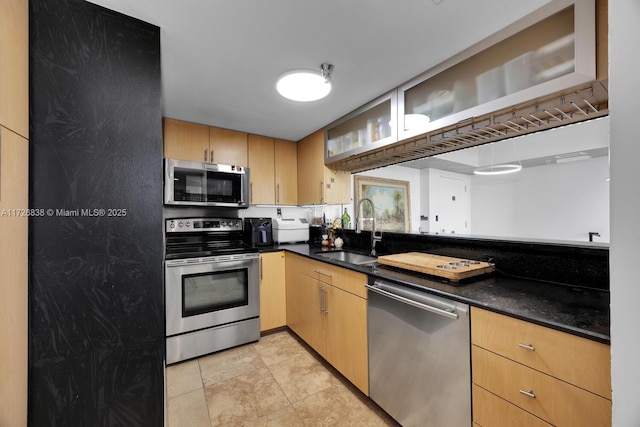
221	58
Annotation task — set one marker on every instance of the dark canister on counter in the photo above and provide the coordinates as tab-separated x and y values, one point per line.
257	231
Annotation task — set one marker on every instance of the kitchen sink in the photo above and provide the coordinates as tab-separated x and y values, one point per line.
350	257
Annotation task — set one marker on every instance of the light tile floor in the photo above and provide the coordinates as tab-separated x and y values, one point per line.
274	382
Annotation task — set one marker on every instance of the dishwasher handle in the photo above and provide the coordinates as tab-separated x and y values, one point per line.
405	300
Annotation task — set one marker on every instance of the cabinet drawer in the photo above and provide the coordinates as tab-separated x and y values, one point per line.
350	281
577	360
490	410
555	401
343	278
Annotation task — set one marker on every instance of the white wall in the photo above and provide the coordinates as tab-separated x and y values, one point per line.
425	185
558	202
404	174
624	62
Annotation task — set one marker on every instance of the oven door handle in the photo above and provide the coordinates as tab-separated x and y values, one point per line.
213	260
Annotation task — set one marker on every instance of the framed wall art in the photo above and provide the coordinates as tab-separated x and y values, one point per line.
390	198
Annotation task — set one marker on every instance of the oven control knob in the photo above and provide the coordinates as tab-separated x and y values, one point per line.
188	224
180	224
172	224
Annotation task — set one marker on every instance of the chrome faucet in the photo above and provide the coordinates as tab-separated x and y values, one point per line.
375	236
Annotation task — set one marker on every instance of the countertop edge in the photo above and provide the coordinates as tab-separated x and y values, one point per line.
309	252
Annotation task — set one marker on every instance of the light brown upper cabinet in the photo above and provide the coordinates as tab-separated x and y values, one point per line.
227	147
202	143
185	140
274	171
261	170
286	170
14	66
318	184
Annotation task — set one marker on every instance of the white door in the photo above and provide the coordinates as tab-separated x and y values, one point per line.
450	210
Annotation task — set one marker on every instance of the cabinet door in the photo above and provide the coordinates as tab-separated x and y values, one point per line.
286	172
347	336
261	165
316	182
186	141
14	192
337	186
273	298
14	66
227	147
311	169
304	314
304	310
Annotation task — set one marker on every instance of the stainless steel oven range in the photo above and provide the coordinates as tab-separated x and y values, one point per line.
212	289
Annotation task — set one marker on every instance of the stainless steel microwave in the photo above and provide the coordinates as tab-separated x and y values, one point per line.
190	183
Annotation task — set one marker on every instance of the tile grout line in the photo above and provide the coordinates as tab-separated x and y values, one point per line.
280	385
204	394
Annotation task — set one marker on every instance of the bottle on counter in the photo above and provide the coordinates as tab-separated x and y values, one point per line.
346	219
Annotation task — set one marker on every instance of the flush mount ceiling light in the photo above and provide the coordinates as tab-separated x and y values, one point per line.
305	85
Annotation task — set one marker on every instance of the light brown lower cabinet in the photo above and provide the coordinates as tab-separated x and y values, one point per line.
273	298
327	308
491	410
14	200
532	375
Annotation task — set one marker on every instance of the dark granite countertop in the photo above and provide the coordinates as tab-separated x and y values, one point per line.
576	310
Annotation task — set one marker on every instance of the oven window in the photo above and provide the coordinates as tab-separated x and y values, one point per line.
214	291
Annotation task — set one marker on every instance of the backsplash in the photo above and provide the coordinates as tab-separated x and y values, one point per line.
564	263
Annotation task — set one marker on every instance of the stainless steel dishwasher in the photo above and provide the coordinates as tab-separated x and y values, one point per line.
419	356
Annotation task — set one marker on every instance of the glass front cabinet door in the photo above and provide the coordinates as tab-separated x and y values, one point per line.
370	126
548	51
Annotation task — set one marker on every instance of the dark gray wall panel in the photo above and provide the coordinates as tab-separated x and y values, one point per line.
96	293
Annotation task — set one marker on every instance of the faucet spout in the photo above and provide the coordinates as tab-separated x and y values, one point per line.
375	236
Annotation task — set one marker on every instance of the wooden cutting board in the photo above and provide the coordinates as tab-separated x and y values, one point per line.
454	269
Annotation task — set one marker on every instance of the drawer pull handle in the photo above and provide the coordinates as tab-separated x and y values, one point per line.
322	274
527	346
528	393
